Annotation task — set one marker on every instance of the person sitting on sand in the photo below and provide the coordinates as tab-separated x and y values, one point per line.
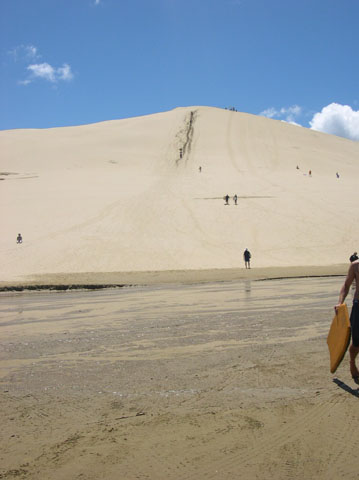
247	258
353	274
19	238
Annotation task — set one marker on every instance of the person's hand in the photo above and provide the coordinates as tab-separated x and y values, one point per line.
337	306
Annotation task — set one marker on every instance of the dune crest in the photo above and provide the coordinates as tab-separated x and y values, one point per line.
127	195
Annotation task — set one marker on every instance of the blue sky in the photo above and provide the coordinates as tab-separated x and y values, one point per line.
71	62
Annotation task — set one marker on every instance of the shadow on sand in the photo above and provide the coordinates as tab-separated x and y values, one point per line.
346	387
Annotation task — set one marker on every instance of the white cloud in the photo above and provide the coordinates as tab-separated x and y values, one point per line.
43	70
269	112
24	52
24	82
97	2
336	119
286	114
49	73
29	57
64	72
31	51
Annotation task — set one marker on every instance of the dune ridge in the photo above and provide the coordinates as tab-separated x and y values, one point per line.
118	196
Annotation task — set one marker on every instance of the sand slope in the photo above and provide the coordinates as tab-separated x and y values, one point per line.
116	196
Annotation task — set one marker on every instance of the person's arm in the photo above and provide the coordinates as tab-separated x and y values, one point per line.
346	285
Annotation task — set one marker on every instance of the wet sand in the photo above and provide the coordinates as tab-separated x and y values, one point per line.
177	277
203	381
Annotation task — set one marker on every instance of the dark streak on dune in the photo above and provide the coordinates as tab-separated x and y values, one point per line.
187	133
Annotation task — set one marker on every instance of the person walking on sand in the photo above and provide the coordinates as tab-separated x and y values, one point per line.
235	198
353	257
19	238
247	258
353	274
226	199
200	169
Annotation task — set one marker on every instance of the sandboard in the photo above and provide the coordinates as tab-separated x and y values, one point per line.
338	337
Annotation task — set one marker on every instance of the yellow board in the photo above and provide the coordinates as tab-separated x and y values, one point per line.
338	337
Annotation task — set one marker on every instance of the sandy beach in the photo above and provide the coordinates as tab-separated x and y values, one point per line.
215	380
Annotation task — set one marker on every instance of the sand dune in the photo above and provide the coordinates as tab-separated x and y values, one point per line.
117	197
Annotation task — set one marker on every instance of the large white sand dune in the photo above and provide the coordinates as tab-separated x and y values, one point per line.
116	196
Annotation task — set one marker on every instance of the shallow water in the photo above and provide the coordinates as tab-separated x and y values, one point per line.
42	310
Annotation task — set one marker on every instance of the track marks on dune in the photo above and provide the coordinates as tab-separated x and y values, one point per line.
184	138
241	157
229	141
197	226
245	157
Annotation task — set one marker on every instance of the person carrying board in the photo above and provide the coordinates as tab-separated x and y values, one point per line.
353	275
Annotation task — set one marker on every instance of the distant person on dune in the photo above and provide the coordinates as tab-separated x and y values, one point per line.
353	274
353	257
19	238
337	174
247	258
226	198
310	173
200	169
235	198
